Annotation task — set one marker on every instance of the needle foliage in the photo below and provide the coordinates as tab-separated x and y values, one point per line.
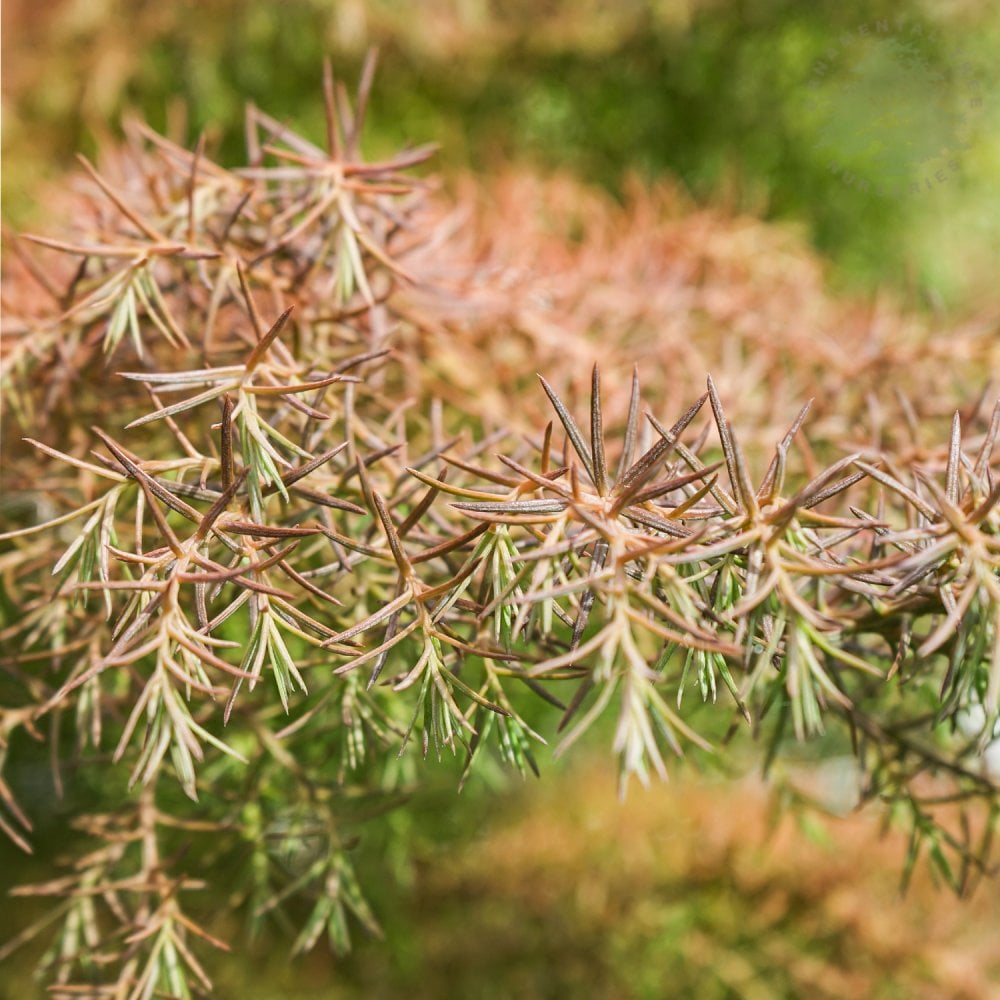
271	553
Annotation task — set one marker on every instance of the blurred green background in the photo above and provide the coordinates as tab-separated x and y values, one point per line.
788	110
704	887
782	109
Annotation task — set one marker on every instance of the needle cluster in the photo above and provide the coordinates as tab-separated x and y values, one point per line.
260	567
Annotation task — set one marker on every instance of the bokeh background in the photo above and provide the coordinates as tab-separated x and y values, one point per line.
882	152
730	97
